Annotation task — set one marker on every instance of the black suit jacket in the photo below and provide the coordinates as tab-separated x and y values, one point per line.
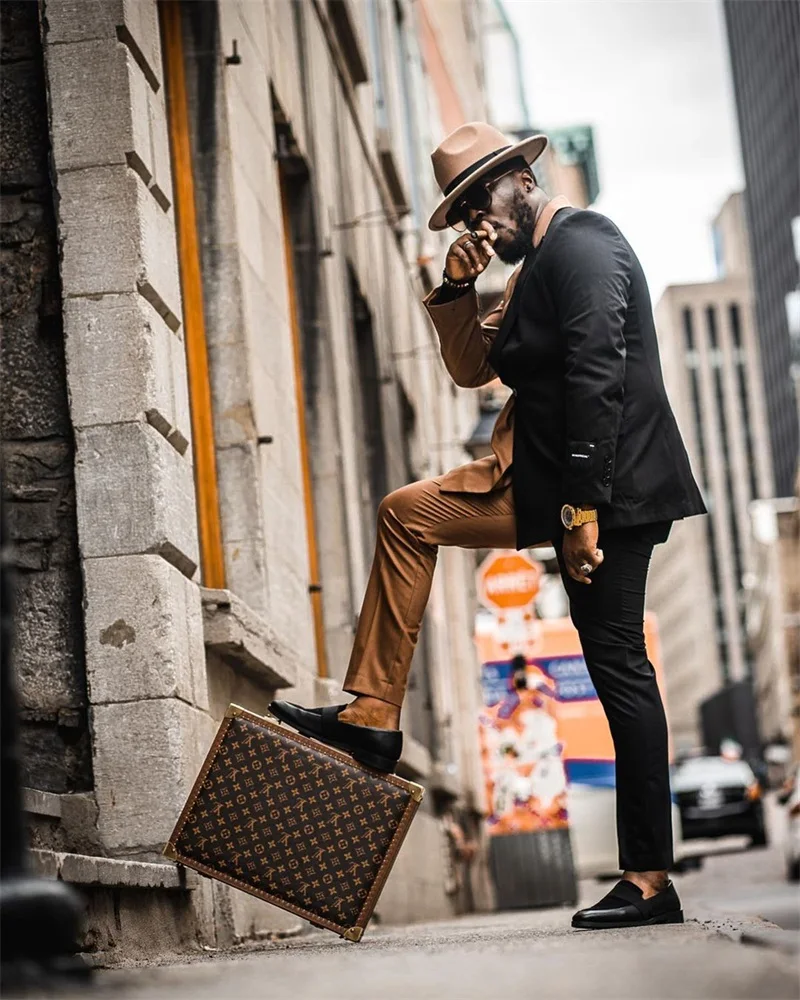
592	422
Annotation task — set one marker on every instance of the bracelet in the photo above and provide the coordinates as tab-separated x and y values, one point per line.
452	283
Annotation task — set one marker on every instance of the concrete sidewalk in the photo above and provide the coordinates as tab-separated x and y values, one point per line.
511	955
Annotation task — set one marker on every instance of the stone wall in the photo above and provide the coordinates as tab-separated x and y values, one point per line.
37	437
126	377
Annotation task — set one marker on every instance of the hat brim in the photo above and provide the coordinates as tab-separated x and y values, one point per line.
531	149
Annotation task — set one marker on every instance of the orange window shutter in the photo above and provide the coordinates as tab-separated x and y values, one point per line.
212	561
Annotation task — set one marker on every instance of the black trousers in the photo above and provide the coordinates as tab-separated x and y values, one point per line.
609	617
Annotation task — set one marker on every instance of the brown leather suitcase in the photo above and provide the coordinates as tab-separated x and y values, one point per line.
294	822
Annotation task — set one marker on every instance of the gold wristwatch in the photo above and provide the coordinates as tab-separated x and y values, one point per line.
573	517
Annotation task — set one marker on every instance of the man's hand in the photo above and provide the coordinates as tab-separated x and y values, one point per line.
580	549
470	253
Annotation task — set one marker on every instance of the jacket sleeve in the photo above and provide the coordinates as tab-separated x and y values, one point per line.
464	338
591	279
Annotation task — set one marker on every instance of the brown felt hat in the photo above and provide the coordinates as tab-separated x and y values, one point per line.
467	153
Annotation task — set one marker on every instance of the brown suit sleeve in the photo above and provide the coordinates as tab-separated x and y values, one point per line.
464	337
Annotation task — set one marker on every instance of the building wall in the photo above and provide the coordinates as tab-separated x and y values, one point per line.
711	367
763	42
773	619
37	471
311	220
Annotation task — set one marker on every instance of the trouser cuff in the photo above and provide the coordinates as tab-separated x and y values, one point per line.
373	688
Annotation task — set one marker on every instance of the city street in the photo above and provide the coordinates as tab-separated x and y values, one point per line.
526	954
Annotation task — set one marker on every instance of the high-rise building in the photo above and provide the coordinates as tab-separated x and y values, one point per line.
711	360
764	46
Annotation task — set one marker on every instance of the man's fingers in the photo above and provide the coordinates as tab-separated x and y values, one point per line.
575	571
478	252
474	254
488	229
483	237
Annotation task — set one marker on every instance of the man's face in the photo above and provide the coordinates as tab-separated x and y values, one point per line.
512	216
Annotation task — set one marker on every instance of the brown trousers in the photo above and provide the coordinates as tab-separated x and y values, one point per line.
413	522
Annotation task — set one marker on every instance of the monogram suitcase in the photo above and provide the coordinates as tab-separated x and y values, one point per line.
294	822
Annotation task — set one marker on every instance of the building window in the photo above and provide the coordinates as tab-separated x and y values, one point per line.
744	395
692	361
722	416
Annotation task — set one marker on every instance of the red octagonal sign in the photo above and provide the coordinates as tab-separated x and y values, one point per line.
508	579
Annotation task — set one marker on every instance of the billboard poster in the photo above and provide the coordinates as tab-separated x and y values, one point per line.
538	739
526	784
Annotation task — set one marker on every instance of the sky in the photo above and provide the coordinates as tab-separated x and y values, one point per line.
652	77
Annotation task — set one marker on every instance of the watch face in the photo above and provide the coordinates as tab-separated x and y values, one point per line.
567	515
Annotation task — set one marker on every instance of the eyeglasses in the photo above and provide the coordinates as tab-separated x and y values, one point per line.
477	198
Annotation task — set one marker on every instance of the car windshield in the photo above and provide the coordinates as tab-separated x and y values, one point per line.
715	769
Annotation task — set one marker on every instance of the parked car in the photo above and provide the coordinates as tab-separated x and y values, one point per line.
789	796
719	797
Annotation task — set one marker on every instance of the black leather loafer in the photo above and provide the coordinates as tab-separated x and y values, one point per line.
625	906
378	748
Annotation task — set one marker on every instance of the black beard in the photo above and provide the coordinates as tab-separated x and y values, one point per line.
522	215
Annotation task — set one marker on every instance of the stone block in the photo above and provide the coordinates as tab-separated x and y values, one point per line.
234	421
99	102
181	434
248	222
22	119
245	641
161	186
146	757
55	757
41	803
79	822
161	283
251	80
119	362
134	22
144	631
135	496
115	238
237	470
89	870
47	642
252	153
246	571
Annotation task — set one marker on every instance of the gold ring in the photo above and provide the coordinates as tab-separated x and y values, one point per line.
586	568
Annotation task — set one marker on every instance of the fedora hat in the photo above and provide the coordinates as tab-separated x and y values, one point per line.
468	153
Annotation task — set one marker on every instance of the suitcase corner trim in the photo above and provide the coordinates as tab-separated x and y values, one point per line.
353	934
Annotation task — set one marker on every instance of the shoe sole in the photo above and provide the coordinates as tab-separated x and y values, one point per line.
377	762
673	917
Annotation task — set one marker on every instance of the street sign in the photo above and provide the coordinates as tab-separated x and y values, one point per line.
508	579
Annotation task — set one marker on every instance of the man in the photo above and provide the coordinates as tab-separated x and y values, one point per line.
597	461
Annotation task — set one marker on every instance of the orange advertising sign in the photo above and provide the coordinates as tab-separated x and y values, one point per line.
552	732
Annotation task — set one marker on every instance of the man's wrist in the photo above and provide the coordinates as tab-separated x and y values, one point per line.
456	284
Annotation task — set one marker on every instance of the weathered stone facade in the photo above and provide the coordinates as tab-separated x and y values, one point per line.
311	199
37	437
